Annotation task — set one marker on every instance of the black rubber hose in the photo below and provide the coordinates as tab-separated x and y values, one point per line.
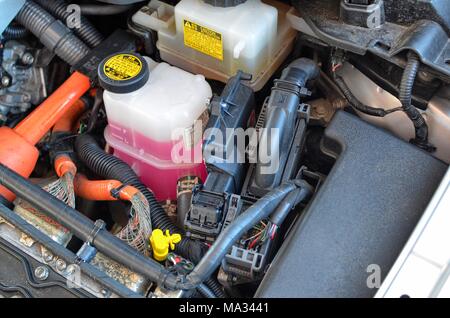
83	228
60	251
282	114
86	31
107	9
183	206
14	32
111	167
301	194
300	71
405	96
243	223
52	33
355	103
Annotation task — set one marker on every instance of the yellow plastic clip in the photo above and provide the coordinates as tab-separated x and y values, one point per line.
161	243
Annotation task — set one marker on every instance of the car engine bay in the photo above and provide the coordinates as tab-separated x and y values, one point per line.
217	148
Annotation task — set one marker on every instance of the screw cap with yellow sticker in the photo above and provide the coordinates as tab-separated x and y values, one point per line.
123	73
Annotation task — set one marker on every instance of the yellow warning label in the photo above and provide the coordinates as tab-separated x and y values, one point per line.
203	39
122	67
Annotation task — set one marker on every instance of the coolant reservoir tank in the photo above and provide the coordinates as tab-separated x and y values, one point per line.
219	37
155	117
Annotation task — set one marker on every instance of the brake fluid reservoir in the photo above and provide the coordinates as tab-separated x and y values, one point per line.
152	110
219	37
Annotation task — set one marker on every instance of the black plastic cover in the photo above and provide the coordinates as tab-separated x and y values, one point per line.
229	112
119	41
363	214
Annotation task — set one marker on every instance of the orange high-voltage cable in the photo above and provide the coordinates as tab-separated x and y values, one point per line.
102	190
17	146
94	190
68	122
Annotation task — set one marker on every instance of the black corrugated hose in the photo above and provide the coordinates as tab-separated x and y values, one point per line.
205	291
86	31
52	33
111	167
14	32
215	287
405	96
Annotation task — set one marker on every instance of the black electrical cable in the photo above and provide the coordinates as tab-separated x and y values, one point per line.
243	223
98	102
279	203
301	194
85	31
111	167
355	103
405	96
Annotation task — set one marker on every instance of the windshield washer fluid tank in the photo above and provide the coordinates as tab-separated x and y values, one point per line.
253	37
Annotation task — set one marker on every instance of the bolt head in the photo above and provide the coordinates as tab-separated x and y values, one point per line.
61	265
48	257
105	293
27	59
71	269
41	272
6	81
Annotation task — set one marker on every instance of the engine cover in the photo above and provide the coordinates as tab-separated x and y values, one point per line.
362	216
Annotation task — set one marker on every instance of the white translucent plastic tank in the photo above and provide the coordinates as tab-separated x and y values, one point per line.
143	125
216	41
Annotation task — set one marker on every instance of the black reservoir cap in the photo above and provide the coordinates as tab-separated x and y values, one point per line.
225	3
123	73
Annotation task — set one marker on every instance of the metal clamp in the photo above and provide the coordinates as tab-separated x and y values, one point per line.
87	252
98	226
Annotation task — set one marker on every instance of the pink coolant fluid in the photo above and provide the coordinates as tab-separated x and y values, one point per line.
158	164
152	126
